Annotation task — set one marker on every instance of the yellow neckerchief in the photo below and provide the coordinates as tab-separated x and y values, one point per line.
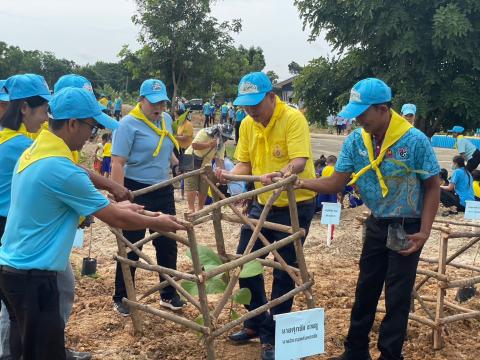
396	129
262	133
138	114
459	137
46	145
7	134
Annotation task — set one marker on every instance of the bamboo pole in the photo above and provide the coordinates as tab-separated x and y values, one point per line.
251	242
170	235
130	288
167	315
462	282
442	264
454	222
423	305
265	242
202	220
167	182
457	253
302	265
449	304
157	268
252	256
217	217
266	262
233	199
432	274
132	247
466	234
267	225
453	264
262	308
452	318
202	293
182	291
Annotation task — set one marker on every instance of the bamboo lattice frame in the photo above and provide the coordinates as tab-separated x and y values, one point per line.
435	316
232	263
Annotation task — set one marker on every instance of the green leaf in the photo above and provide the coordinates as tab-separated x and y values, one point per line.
190	287
250	269
207	256
243	296
234	315
215	285
199	320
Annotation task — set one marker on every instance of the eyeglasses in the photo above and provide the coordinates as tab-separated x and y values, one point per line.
93	127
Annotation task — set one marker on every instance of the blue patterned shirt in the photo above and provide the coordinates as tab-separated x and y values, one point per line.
405	190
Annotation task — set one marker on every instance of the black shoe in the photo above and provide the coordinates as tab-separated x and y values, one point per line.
121	308
174	303
268	352
77	355
346	356
243	335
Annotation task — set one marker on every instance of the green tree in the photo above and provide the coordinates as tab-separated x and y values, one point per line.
426	50
272	75
294	68
181	34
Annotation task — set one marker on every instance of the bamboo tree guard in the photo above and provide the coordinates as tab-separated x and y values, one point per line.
232	263
435	308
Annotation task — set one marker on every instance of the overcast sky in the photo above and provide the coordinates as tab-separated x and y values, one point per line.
89	30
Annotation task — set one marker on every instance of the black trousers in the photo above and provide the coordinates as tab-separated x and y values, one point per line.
237	131
165	248
264	324
3	221
33	304
449	199
379	266
206	123
473	163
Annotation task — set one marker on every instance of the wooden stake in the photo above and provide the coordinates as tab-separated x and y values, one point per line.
217	217
129	286
165	183
442	264
266	224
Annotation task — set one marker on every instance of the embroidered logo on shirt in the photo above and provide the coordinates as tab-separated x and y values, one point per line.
355	96
248	88
403	152
362	152
277	151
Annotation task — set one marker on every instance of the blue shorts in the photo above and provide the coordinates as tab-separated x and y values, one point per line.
106	165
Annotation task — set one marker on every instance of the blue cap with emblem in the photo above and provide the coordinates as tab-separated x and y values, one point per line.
365	93
252	89
409	109
76	81
154	90
3	92
78	103
457	129
27	85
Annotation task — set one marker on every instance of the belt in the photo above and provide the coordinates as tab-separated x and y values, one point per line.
32	272
398	220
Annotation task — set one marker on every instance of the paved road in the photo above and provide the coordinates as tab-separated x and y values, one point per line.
331	144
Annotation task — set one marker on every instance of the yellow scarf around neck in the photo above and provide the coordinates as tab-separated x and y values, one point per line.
262	133
396	129
459	137
7	134
138	114
46	145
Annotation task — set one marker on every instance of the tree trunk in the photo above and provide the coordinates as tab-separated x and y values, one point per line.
174	96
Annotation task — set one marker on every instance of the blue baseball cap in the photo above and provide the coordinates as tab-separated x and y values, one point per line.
409	109
457	129
27	85
366	92
72	80
252	89
3	93
76	81
78	103
154	90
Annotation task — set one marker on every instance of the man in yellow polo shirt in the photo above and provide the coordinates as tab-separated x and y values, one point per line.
274	139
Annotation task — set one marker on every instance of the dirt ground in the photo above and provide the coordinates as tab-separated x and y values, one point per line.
95	327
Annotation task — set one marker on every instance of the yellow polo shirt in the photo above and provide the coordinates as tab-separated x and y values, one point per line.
328	171
269	149
107	150
476	188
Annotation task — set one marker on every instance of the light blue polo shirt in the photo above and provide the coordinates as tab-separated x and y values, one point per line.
466	146
118	104
240	115
224	109
136	142
48	198
463	182
10	152
414	150
206	108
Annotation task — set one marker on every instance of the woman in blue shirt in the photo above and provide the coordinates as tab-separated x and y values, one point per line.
460	188
142	148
